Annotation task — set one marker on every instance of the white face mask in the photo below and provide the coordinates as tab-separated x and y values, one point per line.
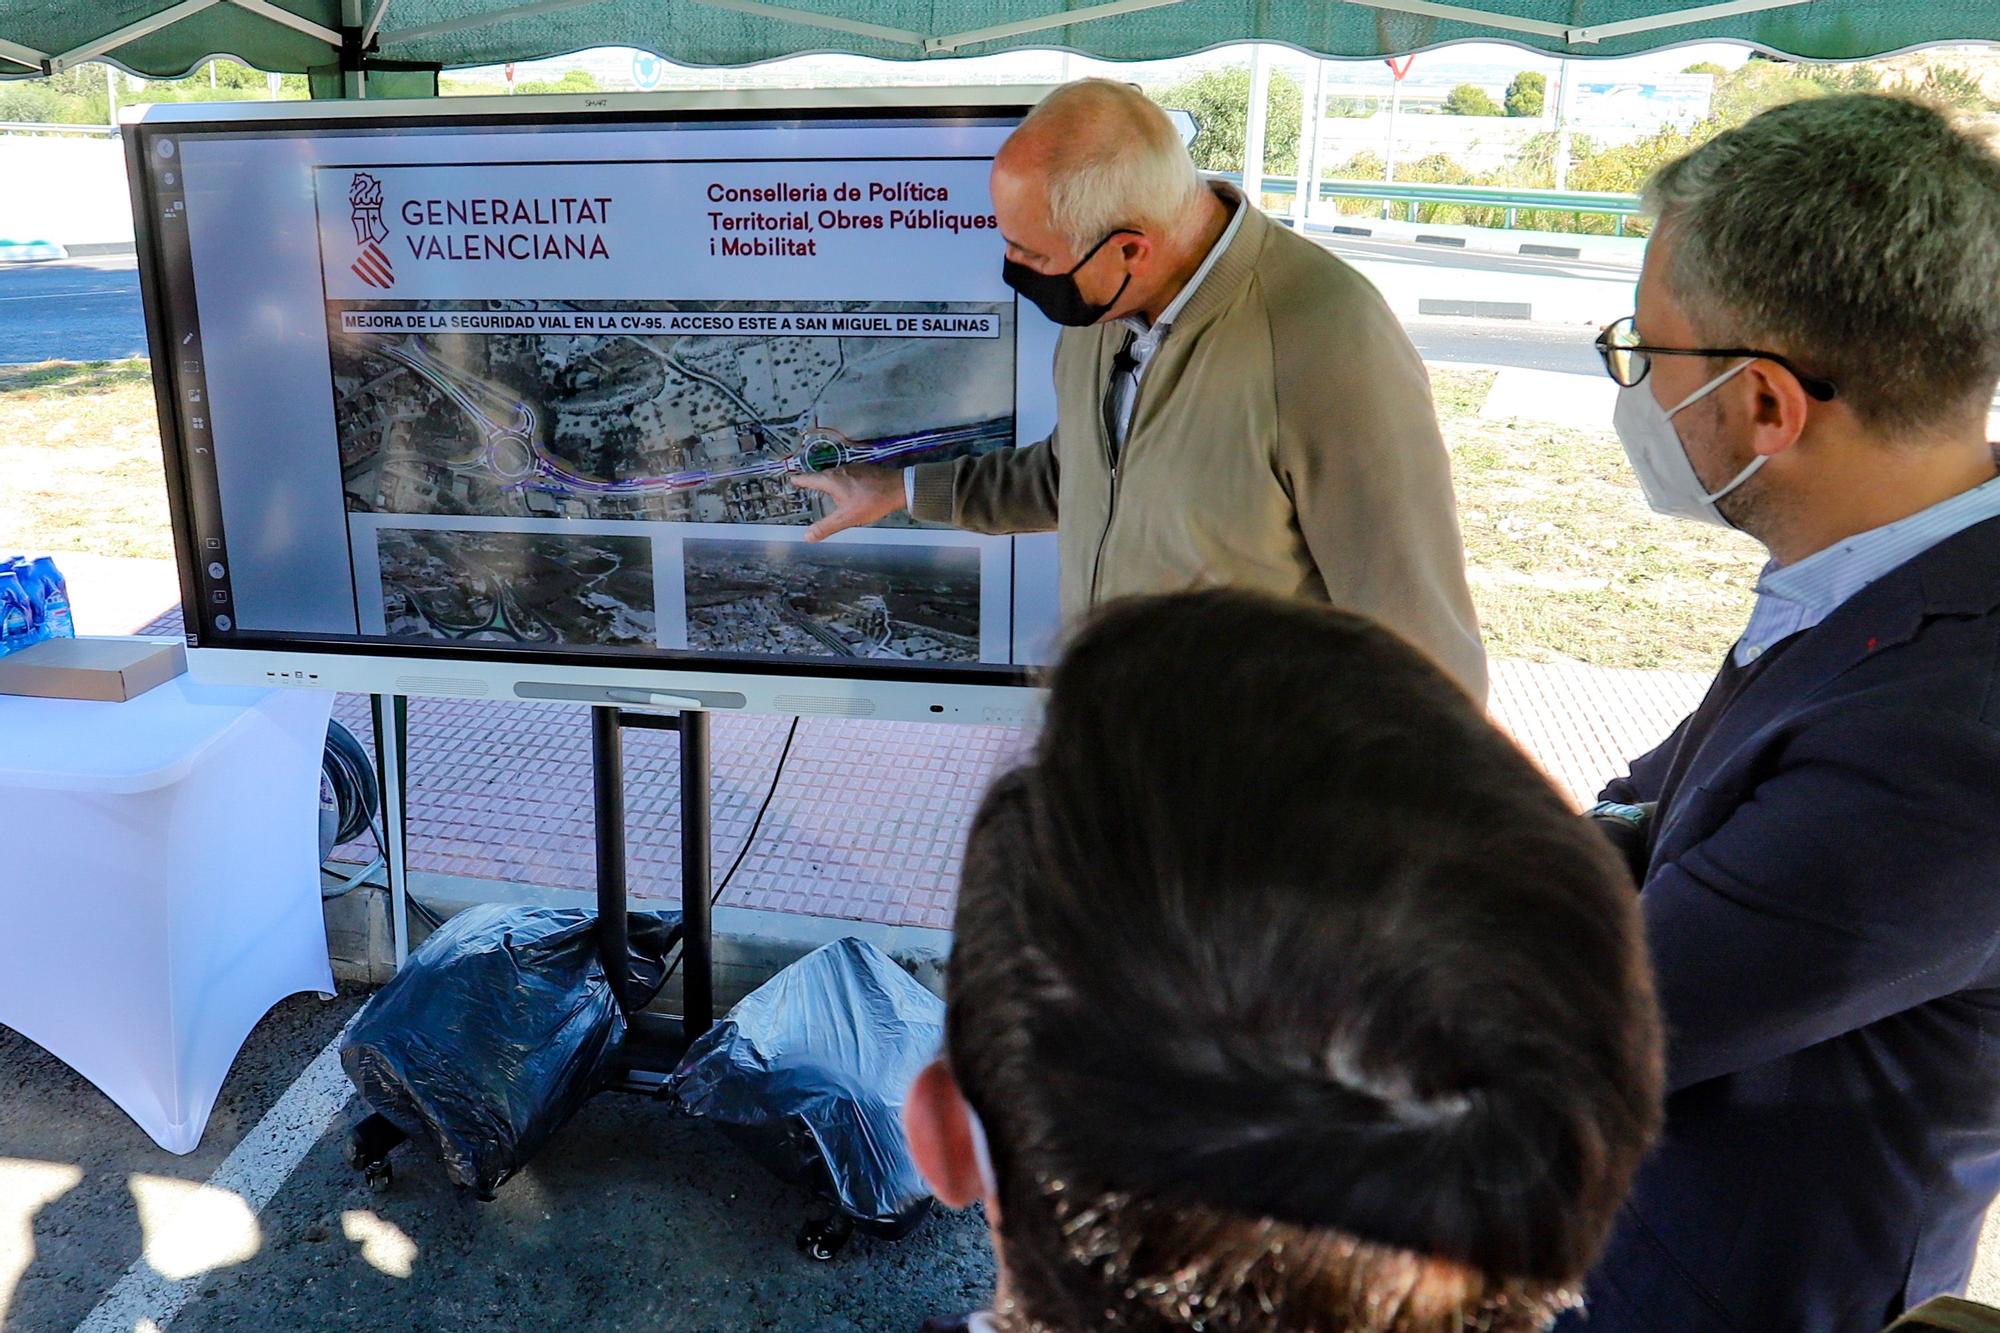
1654	447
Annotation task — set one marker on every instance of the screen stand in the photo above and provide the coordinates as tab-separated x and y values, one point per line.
654	1044
391	716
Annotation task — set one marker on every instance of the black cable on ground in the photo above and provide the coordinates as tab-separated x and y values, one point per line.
424	910
349	775
750	838
358	797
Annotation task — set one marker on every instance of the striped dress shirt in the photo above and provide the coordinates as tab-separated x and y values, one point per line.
1792	598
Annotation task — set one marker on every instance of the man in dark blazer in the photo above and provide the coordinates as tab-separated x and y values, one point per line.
1815	352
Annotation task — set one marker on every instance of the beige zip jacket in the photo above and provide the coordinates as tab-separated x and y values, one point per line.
1283	439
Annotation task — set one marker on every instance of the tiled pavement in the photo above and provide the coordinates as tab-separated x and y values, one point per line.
868	818
1584	723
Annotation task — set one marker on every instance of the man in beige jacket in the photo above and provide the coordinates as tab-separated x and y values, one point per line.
1234	404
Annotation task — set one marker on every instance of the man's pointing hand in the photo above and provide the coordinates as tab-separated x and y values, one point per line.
858	495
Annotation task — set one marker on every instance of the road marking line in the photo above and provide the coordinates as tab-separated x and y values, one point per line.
81	291
254	1171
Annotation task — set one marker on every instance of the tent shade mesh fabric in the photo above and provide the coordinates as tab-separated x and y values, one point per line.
325	82
735	32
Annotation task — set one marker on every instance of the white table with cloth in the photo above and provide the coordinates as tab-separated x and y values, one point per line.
159	884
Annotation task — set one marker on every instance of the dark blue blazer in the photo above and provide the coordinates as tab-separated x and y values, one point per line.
1822	903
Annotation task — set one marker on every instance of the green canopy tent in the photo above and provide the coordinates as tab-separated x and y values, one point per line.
387	47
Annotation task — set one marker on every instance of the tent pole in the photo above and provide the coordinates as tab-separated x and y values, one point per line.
1317	161
854	27
1254	118
129	33
1302	169
1563	72
132	32
1601	32
353	79
374	24
22	55
485	20
1480	17
1395	108
285	18
1021	27
762	10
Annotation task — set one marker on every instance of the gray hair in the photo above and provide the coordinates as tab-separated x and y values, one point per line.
1859	236
1114	160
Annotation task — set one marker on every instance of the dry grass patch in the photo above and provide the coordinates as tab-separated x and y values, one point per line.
80	460
1566	560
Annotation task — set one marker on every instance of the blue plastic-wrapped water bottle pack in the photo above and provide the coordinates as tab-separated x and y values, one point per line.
34	603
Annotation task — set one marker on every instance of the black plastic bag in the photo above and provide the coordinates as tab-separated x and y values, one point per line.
497	1030
809	1074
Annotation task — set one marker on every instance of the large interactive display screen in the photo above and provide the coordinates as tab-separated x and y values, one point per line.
487	398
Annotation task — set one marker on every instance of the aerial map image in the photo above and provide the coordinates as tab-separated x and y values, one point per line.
677	426
918	603
517	587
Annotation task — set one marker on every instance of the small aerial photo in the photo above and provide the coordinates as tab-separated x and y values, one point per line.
517	587
848	599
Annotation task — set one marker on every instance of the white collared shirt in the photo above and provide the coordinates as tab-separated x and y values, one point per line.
1150	336
1792	598
1149	339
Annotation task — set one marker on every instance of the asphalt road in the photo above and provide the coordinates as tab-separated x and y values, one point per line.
1506	342
88	310
631	1219
1381	251
70	310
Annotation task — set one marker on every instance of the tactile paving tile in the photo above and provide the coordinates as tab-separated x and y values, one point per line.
866	823
1585	724
869	818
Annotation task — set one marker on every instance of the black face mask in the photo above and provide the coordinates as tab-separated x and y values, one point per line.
1056	294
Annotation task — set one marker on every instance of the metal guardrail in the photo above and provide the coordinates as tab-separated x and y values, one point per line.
1513	201
31	127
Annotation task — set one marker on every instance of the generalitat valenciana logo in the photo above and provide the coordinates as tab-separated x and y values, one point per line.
364	198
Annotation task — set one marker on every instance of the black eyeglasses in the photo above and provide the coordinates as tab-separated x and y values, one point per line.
1627	360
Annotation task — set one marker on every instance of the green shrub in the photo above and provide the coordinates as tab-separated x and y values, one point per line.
1469	99
1527	94
1220	101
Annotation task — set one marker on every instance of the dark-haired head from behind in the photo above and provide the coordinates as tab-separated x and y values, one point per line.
1289	993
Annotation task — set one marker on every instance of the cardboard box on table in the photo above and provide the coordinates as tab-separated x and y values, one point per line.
108	669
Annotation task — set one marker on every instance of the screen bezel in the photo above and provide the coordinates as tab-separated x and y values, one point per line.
911	691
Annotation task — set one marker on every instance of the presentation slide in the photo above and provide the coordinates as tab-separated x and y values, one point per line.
552	390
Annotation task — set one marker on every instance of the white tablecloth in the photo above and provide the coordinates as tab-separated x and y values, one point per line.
159	884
